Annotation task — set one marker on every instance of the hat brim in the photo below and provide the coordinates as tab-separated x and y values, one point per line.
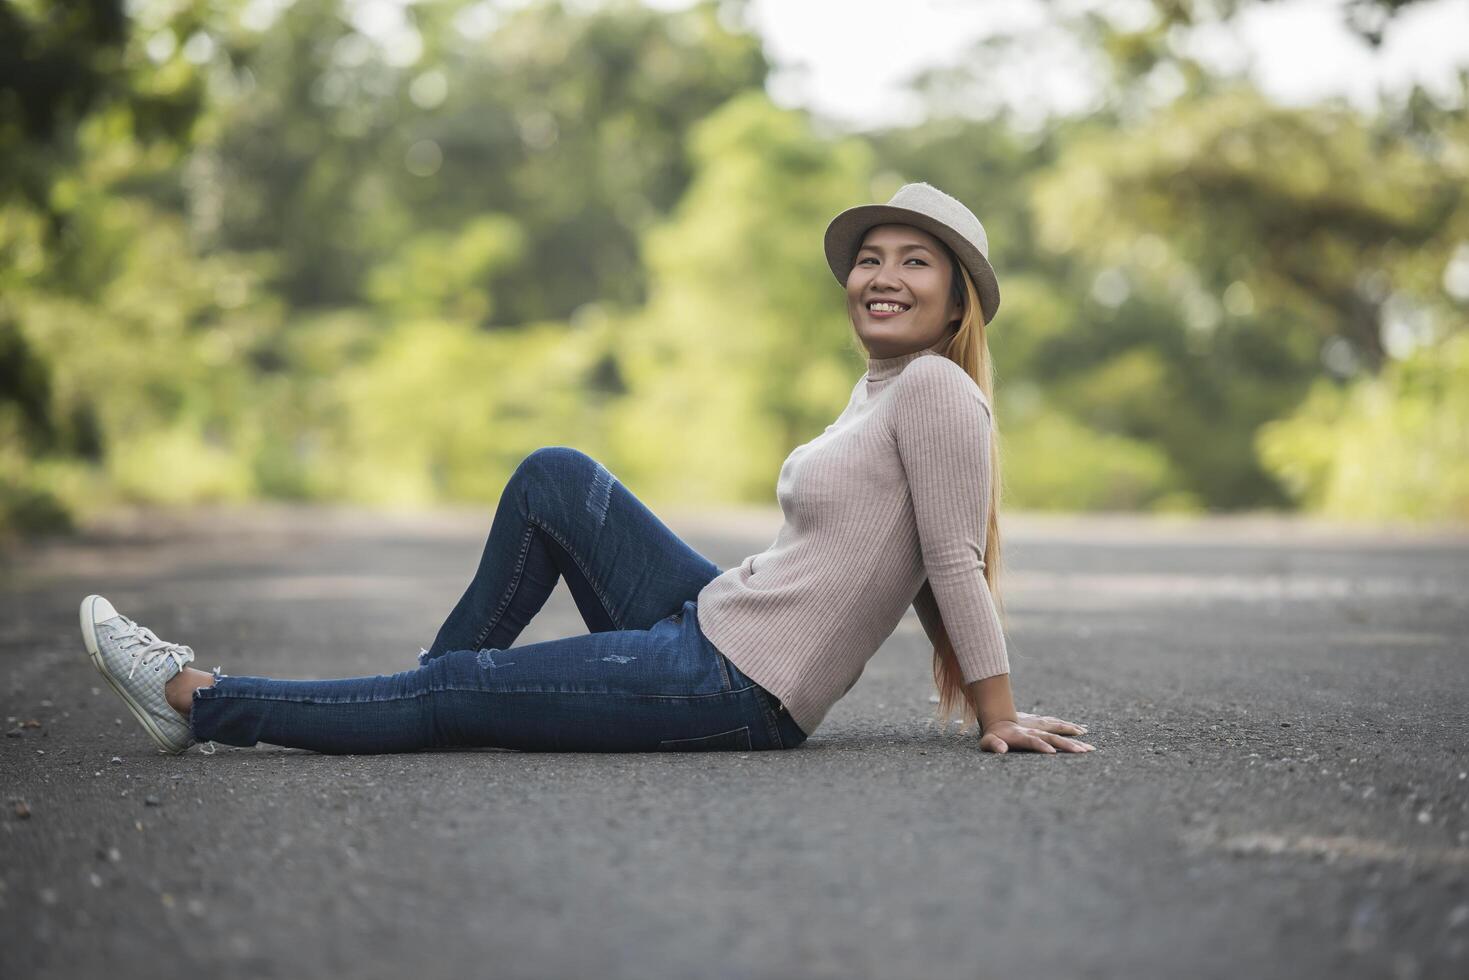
845	233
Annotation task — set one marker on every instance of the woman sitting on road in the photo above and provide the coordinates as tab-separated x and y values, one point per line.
894	504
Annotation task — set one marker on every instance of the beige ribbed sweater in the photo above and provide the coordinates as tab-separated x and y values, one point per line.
893	494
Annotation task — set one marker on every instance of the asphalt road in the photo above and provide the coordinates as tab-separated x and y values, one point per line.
1280	786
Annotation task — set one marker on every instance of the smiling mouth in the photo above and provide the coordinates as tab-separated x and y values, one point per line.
887	309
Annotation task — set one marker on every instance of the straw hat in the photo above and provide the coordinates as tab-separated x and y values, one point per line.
930	209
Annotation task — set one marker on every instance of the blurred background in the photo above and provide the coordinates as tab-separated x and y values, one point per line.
378	250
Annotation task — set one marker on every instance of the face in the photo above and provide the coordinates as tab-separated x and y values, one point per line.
907	266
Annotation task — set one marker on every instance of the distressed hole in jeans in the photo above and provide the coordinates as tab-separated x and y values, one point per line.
486	659
600	493
612	658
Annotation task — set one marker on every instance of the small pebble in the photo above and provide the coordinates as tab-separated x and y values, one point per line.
152	801
22	809
117	759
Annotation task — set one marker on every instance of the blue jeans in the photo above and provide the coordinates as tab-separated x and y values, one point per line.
644	678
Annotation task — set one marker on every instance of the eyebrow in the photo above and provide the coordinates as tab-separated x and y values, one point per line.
901	248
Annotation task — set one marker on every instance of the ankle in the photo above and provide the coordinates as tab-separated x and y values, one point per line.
179	689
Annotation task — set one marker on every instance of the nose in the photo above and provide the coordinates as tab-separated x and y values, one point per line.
885	277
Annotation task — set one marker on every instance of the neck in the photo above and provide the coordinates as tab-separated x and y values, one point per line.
883	368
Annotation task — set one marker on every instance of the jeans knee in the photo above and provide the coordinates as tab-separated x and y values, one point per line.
564	470
555	456
551	464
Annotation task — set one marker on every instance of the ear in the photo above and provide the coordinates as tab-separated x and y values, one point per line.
958	309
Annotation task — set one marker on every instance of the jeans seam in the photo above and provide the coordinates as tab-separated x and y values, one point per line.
767	712
772	720
510	590
705	738
582	567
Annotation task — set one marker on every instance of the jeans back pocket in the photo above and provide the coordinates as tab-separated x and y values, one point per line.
736	739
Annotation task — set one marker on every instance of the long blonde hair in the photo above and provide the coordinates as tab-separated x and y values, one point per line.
969	348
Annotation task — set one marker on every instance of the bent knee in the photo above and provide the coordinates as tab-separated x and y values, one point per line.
553	458
562	468
551	462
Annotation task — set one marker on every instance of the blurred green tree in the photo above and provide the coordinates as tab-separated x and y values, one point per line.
340	146
310	250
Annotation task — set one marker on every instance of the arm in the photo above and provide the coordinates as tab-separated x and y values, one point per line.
1002	726
943	430
990	695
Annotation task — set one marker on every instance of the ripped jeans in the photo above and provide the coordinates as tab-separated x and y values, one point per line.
644	678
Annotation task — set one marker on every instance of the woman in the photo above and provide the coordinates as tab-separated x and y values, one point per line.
894	504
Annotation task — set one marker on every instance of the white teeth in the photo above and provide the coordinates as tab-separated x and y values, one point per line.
886	307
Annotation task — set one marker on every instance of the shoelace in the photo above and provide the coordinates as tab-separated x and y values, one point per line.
153	648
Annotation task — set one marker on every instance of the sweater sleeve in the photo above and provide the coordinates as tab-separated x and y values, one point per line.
942	428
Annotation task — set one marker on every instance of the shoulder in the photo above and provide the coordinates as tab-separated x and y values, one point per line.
935	381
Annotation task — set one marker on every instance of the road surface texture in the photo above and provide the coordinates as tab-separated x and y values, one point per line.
1280	787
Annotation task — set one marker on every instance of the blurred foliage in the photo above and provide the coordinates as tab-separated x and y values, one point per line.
321	249
742	311
1394	446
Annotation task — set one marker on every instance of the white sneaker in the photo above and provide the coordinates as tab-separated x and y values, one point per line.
137	664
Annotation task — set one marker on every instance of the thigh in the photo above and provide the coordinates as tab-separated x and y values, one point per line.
624	567
659	689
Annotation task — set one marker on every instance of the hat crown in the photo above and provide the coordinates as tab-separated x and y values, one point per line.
928	199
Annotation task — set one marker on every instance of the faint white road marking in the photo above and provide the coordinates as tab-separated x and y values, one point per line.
1331	848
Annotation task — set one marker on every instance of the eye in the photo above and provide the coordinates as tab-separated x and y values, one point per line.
867	258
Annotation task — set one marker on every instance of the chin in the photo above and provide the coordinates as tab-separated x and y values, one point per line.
886	338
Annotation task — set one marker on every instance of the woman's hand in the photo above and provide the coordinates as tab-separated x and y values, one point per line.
1048	724
1002	736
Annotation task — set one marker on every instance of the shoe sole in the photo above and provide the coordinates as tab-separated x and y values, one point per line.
89	636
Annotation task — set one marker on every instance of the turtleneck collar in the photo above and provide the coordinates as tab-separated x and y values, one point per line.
886	368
